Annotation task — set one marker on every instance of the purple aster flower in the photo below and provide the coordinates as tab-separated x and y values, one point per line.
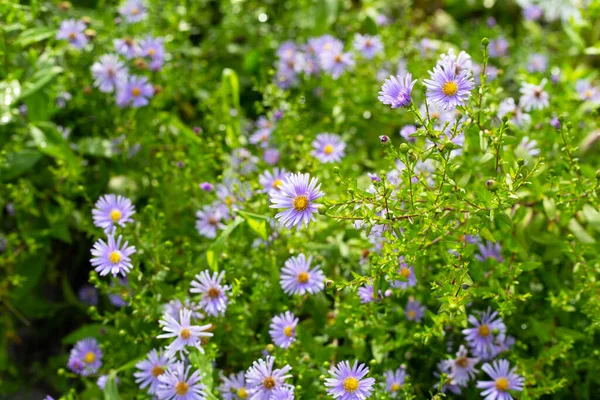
407	272
177	384
555	123
498	47
328	148
285	79
485	337
334	60
101	382
272	181
109	72
297	195
271	156
243	161
447	88
396	91
587	91
408	130
283	329
369	46
414	311
133	11
460	62
72	30
263	380
206	186
233	386
232	192
287	50
489	250
135	92
150	369
62	99
537	63
112	210
88	294
154	48
462	368
448	385
349	383
175	306
86	357
298	278
112	256
437	113
519	118
48	397
214	295
503	379
532	12
120	292
283	393
382	20
374	177
534	96
427	46
394	380
210	219
263	132
530	147
127	47
183	332
366	294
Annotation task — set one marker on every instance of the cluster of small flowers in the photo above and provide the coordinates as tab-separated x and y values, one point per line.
110	73
322	54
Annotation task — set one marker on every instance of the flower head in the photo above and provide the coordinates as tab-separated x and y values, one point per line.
177	384
133	11
271	156
328	147
408	272
233	386
462	368
534	96
498	47
297	196
109	72
298	278
214	295
333	59
447	88
150	369
243	161
112	256
232	192
394	380
127	47
112	210
101	382
537	63
503	379
367	294
154	48
86	357
175	306
135	92
263	132
460	62
487	335
489	250
587	91
349	383
283	393
88	294
72	30
369	46
210	219
272	181
396	91
262	379
532	12
408	130
283	329
414	311
183	332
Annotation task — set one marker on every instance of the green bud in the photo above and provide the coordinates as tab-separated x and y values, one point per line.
270	348
321	377
505	118
326	364
520	162
122	332
598	175
298	387
417	336
373	362
404	148
485	42
491	185
61	371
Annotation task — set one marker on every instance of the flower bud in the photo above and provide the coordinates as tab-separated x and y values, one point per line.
491	185
485	42
404	148
384	139
520	162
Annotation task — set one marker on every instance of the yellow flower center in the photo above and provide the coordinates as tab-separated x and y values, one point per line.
89	358
328	149
213	292
136	91
151	52
212	221
502	384
405	272
462	362
114	257
185	333
72	36
395	387
136	11
351	384
483	330
288	331
242	393
115	215
277	184
181	388
157	371
338	58
303	277
300	203
269	382
229	200
412	314
450	88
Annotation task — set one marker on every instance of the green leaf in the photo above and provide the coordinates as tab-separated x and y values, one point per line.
110	389
35	35
90	330
258	223
217	245
486	234
579	232
18	163
202	364
50	142
39	80
94	146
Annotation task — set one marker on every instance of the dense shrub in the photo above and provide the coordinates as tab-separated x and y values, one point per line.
375	199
